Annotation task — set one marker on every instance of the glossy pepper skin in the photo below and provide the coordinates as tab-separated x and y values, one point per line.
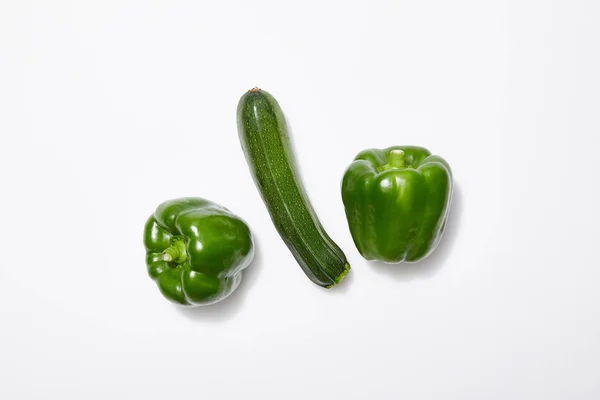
396	202
196	250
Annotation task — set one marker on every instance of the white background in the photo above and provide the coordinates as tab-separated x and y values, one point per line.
109	108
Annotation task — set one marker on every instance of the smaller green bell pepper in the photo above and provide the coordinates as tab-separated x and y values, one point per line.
396	202
196	250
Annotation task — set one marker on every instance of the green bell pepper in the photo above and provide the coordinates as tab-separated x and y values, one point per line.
196	250
396	202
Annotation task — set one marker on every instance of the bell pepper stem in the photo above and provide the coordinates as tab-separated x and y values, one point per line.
176	252
396	159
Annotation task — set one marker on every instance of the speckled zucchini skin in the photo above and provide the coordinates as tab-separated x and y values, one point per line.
264	137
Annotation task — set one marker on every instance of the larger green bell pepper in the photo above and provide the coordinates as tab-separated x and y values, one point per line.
396	202
196	250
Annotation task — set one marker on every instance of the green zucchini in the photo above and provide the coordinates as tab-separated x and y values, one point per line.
264	137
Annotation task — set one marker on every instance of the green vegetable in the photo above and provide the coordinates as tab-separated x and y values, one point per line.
196	250
264	137
396	202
